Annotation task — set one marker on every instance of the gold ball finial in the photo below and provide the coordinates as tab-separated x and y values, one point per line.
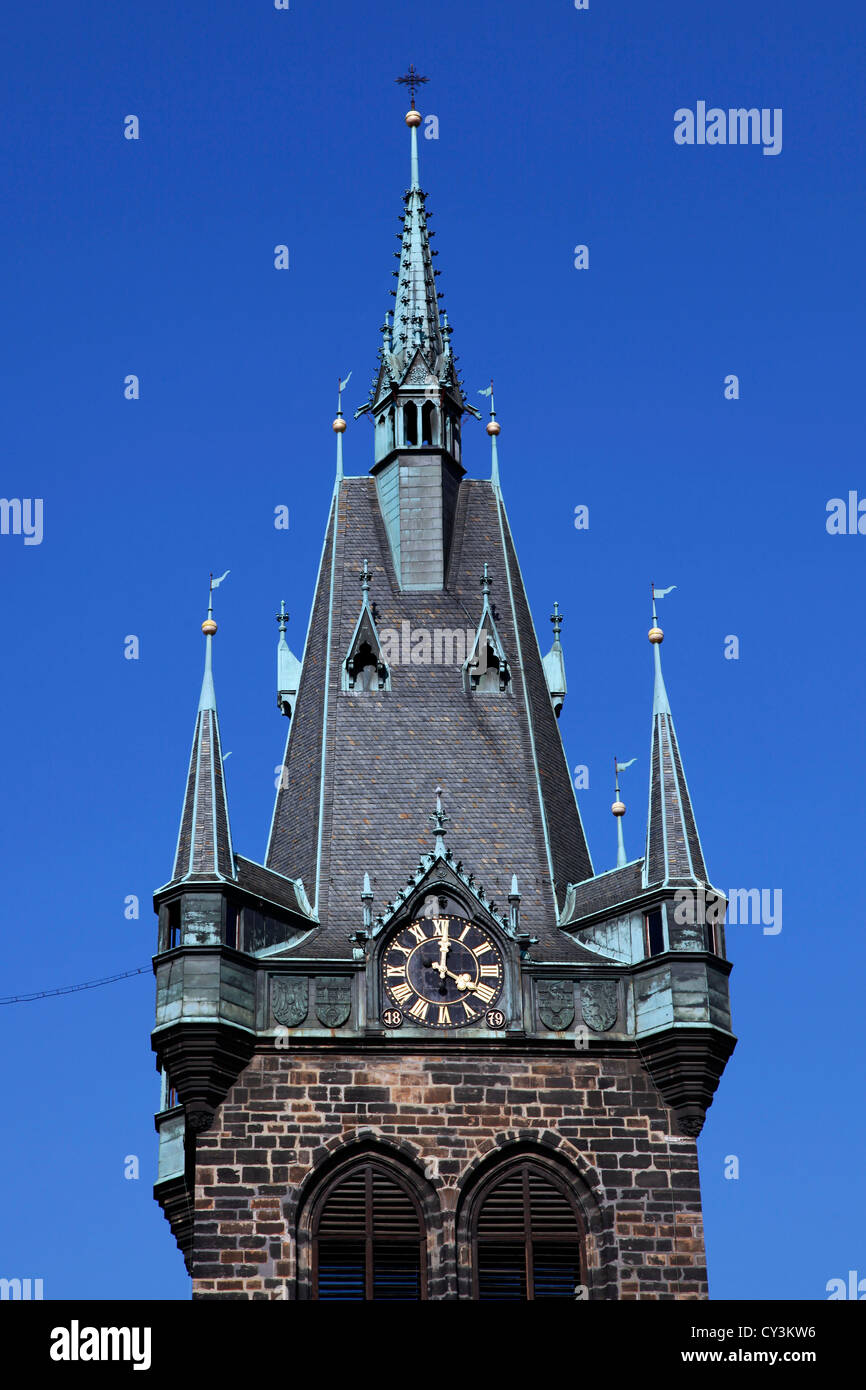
655	634
618	808
339	425
413	118
493	427
208	627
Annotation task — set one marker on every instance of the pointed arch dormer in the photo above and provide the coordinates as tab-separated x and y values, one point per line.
365	668
486	669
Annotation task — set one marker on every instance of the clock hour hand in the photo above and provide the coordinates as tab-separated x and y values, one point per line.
463	980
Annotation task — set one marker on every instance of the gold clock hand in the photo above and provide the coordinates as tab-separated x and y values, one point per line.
463	980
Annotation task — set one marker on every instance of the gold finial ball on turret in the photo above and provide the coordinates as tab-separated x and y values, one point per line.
413	118
493	427
618	808
339	425
208	627
655	635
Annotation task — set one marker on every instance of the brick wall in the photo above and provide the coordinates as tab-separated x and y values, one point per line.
288	1118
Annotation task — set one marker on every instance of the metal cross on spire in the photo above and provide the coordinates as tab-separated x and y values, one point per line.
412	80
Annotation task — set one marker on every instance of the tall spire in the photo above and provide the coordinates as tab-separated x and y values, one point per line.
417	366
416	314
204	843
673	847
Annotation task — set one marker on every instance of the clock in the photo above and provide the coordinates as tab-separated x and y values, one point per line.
442	972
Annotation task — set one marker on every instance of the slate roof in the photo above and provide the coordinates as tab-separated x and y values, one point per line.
204	843
499	757
673	847
606	891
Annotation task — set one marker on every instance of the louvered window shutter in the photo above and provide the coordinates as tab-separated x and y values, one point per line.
527	1238
368	1241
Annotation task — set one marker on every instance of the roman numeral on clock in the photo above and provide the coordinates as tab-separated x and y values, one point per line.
485	993
420	1008
419	933
401	993
397	971
444	1015
491	971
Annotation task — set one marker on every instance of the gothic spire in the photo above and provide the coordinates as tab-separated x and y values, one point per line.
673	848
417	331
416	313
204	842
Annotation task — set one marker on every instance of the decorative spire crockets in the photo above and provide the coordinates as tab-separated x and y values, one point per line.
416	397
673	847
204	844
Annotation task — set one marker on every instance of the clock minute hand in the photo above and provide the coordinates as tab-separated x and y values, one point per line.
444	945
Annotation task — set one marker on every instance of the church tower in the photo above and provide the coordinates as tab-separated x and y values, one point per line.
424	1050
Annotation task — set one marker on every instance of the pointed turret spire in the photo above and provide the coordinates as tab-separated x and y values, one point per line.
204	844
673	848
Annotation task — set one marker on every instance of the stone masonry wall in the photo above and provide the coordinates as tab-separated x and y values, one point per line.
289	1118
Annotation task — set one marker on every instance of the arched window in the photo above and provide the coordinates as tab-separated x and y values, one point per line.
428	423
526	1235
410	423
366	670
368	1238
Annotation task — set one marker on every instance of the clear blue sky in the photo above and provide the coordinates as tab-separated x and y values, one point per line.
155	257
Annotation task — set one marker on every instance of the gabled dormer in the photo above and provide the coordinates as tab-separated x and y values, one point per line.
365	668
486	669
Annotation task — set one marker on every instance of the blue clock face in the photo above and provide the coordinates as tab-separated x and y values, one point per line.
442	972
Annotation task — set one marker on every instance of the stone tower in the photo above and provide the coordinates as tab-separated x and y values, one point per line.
424	1051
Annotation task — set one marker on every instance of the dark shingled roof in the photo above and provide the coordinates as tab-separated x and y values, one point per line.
673	849
607	891
204	849
386	750
266	884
